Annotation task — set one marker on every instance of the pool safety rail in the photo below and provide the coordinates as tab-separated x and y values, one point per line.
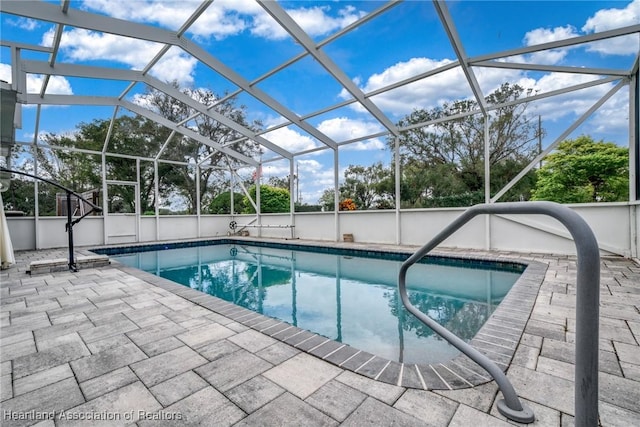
236	228
587	309
70	221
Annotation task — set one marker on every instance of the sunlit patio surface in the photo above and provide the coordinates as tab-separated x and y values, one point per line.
117	346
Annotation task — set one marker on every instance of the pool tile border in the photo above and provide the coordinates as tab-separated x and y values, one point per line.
511	314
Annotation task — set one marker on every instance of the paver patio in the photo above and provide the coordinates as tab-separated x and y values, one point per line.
110	344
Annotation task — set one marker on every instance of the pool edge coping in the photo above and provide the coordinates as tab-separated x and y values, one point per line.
498	338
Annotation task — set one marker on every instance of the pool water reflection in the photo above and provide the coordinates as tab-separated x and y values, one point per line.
350	299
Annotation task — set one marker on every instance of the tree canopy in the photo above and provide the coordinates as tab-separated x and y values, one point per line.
582	170
139	136
446	159
272	200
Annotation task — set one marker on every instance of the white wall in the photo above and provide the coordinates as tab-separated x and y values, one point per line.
315	226
52	232
416	228
147	228
616	226
175	227
23	232
214	225
369	226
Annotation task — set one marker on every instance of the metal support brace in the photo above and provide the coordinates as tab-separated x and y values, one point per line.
587	309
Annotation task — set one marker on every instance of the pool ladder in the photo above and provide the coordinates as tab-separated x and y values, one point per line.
587	309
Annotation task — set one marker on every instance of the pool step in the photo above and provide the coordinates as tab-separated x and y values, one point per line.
62	264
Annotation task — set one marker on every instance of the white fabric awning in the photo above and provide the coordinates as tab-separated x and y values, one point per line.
6	248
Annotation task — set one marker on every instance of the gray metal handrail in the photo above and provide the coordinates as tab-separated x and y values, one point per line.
587	309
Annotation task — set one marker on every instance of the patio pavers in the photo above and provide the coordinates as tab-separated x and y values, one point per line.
112	340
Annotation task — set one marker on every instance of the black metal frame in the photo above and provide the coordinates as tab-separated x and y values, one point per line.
70	221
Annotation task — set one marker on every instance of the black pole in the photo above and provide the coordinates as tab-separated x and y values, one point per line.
72	262
70	222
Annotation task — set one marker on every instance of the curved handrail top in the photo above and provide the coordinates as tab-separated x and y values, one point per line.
48	181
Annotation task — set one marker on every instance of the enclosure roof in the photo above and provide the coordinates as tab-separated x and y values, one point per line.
318	74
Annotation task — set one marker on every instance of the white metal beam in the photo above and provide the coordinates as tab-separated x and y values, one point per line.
552	68
336	35
456	43
80	19
202	109
79	70
634	133
558	140
103	100
185	131
218	66
185	26
75	70
25	46
292	27
631	29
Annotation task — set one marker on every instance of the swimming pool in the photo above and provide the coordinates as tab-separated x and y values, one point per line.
348	296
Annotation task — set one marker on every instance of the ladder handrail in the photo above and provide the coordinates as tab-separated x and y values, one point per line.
587	309
70	221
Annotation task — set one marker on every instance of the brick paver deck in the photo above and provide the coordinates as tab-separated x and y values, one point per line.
110	346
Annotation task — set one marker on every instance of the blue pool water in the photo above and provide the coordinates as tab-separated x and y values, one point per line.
344	297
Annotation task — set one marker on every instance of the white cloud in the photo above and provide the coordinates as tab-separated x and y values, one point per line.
613	115
560	111
546	35
278	169
57	85
315	177
344	129
603	20
421	94
608	19
84	45
26	24
316	21
5	73
169	14
224	18
291	140
435	90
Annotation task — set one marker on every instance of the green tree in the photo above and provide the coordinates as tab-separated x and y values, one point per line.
276	181
327	199
582	170
446	158
362	184
221	204
186	149
129	135
272	200
139	136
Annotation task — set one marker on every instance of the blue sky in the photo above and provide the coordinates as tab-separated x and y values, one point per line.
405	40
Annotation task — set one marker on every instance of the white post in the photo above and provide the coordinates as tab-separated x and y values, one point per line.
36	211
156	188
336	194
198	211
397	187
105	201
138	206
232	185
292	202
487	181
634	147
258	211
